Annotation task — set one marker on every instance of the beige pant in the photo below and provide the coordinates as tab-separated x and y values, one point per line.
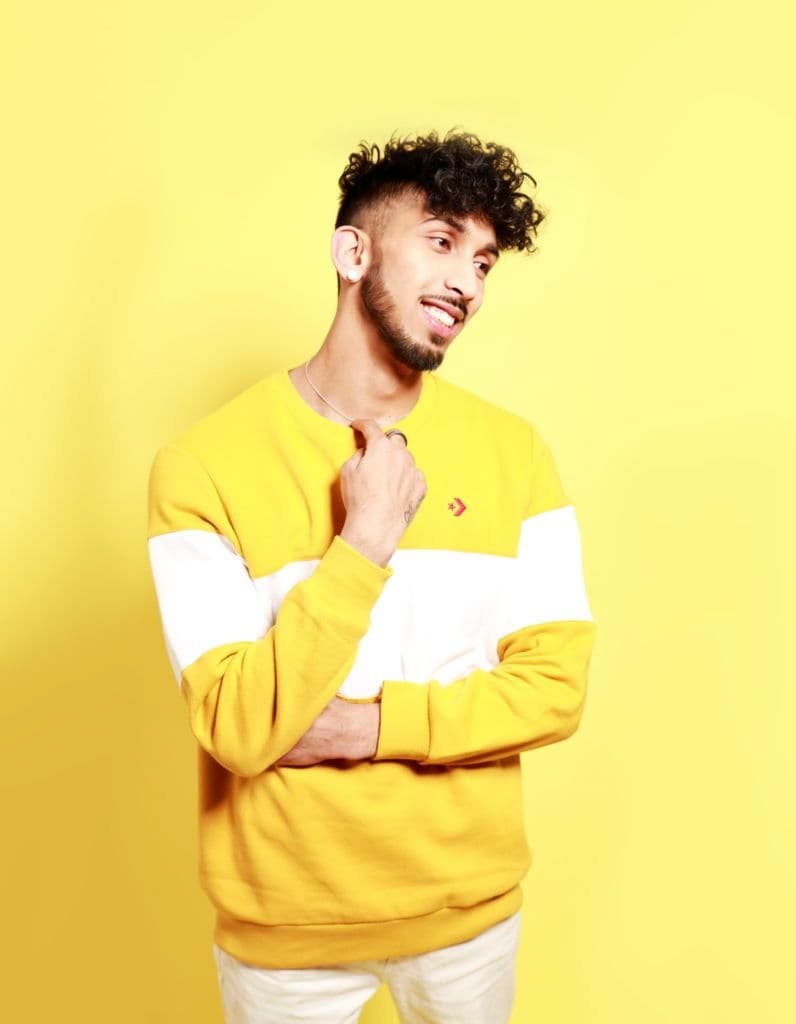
468	983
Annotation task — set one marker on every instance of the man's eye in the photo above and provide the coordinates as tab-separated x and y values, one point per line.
442	238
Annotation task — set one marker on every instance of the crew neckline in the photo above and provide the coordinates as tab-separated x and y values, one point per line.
322	425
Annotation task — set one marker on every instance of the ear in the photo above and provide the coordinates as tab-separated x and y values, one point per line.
350	248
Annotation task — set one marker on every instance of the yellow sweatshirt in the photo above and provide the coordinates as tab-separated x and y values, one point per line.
475	637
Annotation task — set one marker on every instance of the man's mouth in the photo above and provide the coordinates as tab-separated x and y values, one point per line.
439	319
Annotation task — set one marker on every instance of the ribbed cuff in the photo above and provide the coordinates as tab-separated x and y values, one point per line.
404	730
385	570
349	584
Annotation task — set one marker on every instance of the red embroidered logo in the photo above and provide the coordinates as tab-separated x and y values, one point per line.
457	506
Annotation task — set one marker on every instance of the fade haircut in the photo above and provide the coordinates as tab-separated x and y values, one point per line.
458	175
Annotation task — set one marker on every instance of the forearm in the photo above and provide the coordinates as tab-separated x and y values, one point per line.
343	731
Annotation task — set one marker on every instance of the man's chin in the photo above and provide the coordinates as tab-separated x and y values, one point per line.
425	355
425	360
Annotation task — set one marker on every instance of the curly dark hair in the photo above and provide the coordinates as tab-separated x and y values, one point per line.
458	174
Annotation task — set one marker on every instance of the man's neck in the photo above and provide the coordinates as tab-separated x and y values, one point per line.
350	394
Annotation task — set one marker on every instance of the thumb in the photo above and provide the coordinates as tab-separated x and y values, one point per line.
369	428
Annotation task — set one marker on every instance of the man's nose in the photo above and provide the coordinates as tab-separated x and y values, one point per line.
464	281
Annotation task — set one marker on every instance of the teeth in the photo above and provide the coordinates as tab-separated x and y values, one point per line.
440	315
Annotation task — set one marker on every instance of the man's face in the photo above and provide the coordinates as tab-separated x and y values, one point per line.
418	261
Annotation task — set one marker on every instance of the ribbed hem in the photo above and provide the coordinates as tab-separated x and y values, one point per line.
404	730
329	944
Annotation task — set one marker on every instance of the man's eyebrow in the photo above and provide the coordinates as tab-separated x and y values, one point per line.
458	226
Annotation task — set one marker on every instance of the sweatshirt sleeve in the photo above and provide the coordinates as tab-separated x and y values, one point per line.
535	694
253	683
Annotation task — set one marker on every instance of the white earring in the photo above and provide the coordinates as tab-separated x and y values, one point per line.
353	275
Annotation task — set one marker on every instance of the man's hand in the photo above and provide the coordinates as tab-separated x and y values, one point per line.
341	730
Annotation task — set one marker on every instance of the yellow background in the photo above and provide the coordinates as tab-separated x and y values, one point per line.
169	192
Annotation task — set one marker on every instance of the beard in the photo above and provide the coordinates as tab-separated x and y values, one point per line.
383	313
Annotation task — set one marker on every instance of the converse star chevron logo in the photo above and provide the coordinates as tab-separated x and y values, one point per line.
457	506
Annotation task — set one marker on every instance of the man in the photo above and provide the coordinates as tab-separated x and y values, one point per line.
371	592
